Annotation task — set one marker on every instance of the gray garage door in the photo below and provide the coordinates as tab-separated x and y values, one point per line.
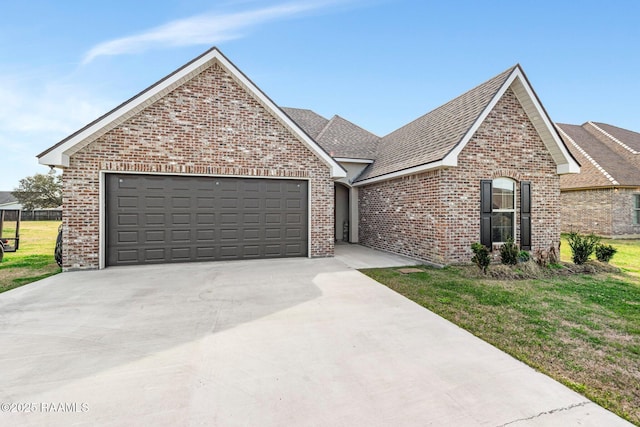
162	219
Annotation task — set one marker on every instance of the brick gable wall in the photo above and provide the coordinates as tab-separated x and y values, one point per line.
442	218
208	126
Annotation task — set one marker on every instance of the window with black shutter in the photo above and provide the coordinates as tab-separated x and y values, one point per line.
498	212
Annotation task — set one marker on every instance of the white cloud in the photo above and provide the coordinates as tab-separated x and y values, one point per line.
205	29
34	115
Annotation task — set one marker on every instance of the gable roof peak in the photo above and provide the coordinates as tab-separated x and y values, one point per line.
435	139
59	154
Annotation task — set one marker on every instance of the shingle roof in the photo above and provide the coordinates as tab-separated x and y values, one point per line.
431	137
311	122
435	139
341	138
629	138
605	162
338	136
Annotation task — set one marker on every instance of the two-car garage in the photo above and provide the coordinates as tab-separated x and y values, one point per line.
168	218
200	166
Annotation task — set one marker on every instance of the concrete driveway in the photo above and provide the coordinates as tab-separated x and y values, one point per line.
289	342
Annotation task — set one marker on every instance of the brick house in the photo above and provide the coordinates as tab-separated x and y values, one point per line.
604	198
204	166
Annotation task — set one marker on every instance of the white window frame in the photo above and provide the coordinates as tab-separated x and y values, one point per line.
513	210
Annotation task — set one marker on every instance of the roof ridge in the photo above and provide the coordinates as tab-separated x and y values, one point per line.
324	129
586	155
613	138
303	109
358	126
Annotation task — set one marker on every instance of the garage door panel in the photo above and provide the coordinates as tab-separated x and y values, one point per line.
154	219
232	234
154	254
180	202
203	235
127	237
229	203
155	236
205	253
128	256
154	202
294	249
251	219
158	219
180	236
251	203
180	218
273	218
181	254
294	219
203	219
130	219
205	202
127	202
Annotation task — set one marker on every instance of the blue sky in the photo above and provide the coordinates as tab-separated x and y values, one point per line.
377	63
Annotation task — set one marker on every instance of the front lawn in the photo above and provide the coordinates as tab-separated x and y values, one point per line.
627	258
583	330
34	259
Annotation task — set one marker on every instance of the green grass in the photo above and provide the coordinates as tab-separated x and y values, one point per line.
34	259
583	330
627	258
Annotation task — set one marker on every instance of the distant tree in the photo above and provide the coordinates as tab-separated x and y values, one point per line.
39	191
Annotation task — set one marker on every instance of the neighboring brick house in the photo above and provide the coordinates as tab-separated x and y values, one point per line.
604	198
204	166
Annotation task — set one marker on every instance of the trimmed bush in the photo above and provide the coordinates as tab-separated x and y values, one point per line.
524	256
509	253
481	256
582	247
604	253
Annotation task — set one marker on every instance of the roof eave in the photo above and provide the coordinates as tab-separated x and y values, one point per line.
517	80
439	164
59	154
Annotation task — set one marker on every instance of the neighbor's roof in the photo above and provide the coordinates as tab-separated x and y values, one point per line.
58	155
7	197
609	155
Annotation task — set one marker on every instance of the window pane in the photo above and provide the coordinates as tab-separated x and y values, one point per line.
501	226
637	201
503	193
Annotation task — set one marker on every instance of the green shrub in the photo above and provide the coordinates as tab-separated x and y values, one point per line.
509	253
524	256
582	247
604	253
481	256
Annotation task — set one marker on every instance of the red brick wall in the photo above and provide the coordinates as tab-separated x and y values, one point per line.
210	126
442	218
605	212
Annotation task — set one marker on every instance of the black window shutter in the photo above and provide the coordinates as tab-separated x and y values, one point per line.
485	212
525	215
